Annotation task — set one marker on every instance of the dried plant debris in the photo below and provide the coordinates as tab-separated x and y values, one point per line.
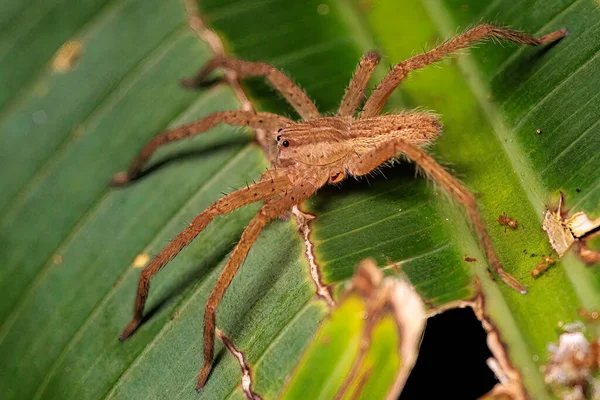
564	230
246	383
386	296
510	384
505	389
543	266
303	220
585	253
589	315
572	364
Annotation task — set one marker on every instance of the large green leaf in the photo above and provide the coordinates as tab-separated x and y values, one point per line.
68	242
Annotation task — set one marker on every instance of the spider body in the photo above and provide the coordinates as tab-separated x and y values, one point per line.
312	152
332	146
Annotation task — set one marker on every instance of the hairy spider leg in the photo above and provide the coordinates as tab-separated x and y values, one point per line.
271	210
272	184
382	92
252	119
280	81
373	159
356	89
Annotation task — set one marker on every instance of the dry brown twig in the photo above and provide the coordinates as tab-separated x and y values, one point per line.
315	151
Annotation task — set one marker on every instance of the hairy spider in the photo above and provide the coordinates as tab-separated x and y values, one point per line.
316	151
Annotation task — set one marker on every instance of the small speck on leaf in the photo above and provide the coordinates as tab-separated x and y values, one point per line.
323	9
140	260
67	56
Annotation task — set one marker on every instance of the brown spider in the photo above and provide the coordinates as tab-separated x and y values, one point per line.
314	151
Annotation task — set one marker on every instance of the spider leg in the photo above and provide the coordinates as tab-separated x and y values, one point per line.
356	89
281	82
272	184
271	210
381	93
374	158
253	119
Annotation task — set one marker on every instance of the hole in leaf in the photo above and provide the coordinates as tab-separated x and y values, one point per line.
452	359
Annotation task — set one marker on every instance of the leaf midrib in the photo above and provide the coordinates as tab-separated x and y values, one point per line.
528	179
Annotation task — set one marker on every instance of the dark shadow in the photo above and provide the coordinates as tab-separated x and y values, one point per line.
255	289
452	360
190	83
190	279
516	73
270	99
263	282
395	182
386	179
186	155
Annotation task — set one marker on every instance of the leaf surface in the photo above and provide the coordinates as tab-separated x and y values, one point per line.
69	241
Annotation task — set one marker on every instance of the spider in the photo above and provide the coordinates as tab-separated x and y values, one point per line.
315	151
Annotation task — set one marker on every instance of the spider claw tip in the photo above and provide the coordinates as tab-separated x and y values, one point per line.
192	83
125	334
119	179
129	329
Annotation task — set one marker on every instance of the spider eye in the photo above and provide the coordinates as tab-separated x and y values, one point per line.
285	143
279	130
278	138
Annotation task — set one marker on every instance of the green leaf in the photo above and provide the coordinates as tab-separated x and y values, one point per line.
68	242
369	344
332	351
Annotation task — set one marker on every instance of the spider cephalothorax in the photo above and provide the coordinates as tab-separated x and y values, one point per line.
337	143
314	151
